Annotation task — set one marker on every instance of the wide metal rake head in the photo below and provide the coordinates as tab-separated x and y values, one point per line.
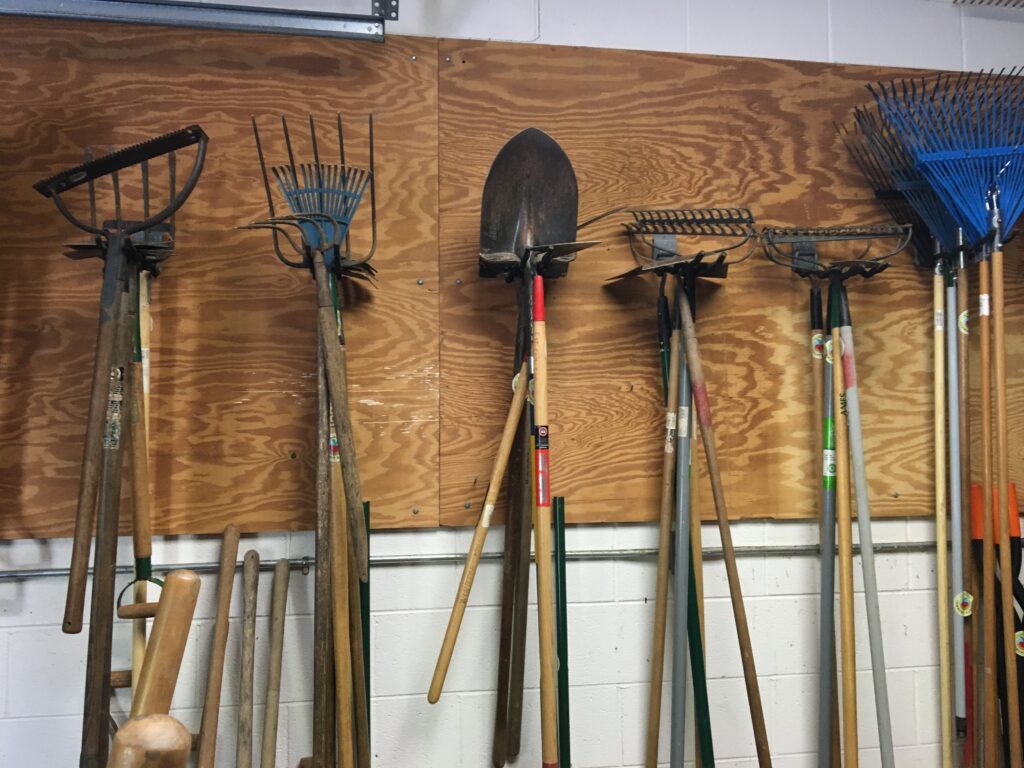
699	241
322	199
965	134
149	235
819	252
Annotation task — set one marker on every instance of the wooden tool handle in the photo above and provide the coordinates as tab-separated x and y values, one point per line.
151	741
667	507
142	533
89	482
138	611
844	523
702	407
988	591
279	602
250	592
337	378
476	546
215	673
159	674
542	532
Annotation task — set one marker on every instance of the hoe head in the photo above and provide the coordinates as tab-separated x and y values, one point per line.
149	237
528	210
322	199
820	252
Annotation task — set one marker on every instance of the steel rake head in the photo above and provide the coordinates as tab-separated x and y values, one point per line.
714	235
799	248
323	199
966	136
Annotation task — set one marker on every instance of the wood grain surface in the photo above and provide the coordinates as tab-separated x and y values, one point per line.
430	363
673	130
233	341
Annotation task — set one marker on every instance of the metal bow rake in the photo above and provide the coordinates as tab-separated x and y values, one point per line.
799	250
717	238
127	248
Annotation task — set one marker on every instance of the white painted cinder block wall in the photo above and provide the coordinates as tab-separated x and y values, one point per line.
42	670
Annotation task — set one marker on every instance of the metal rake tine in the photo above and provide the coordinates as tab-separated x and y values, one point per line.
87	156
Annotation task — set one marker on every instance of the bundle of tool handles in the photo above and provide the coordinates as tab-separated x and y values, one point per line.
945	157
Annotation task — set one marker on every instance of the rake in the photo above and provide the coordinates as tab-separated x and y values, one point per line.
127	248
966	135
687	245
891	172
323	199
799	249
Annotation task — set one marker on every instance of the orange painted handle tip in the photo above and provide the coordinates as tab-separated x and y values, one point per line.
977	513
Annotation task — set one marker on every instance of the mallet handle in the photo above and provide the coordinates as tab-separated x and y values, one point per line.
159	674
279	601
215	672
250	590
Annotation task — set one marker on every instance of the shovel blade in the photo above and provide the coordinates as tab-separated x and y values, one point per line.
530	200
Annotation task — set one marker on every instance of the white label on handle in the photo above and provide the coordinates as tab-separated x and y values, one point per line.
828	463
940	320
684	421
983	306
485	518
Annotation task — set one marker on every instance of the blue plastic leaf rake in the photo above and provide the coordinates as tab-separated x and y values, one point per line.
322	199
965	133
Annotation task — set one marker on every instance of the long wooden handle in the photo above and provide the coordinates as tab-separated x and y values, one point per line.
1007	577
166	646
988	591
668	473
844	522
89	482
542	533
250	591
941	525
707	434
279	602
340	617
151	741
337	377
476	546
215	672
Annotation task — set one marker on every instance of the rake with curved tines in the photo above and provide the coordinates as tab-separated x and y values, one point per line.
689	244
966	135
799	250
127	247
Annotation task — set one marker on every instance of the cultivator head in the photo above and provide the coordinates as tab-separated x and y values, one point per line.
800	249
322	199
148	237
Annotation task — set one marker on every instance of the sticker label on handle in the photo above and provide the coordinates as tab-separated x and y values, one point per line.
684	421
828	467
817	345
962	321
485	518
115	409
828	351
1018	641
964	604
984	308
940	320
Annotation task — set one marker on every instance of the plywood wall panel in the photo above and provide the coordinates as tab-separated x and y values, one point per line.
673	131
233	344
